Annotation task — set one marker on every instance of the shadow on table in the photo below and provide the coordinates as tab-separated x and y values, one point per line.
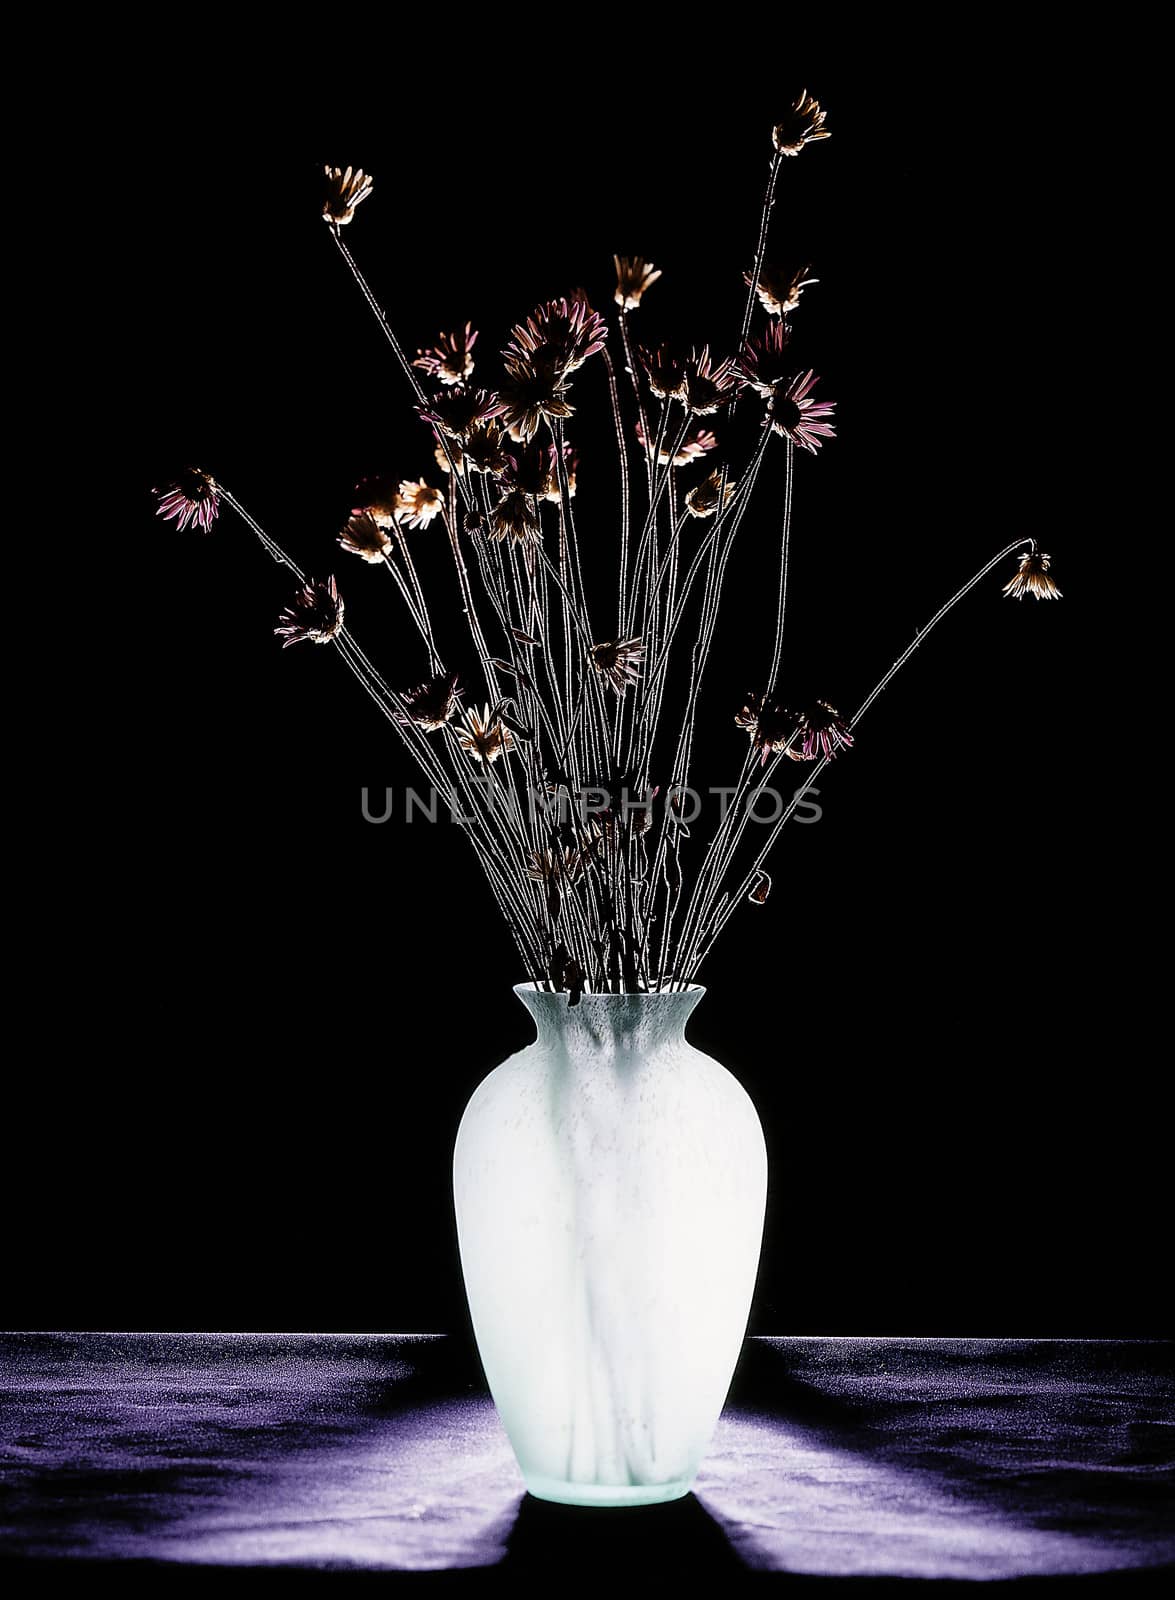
677	1539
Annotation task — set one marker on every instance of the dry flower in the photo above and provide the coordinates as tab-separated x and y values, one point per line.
432	704
557	338
779	291
764	363
799	419
528	396
801	124
364	537
706	387
457	411
823	732
192	499
1033	578
633	276
702	499
515	517
664	370
346	188
484	737
418	503
692	447
315	614
619	662
770	726
450	360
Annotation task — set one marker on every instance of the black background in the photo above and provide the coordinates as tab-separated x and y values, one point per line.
258	1018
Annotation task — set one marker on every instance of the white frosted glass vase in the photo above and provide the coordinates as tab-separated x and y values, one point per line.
610	1184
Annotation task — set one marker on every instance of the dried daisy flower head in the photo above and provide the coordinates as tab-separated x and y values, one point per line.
664	370
451	359
515	518
557	338
691	448
633	276
770	726
823	732
315	614
483	737
1033	578
765	363
379	496
794	416
705	387
457	411
346	188
192	500
702	499
618	661
801	124
778	291
418	503
364	537
432	704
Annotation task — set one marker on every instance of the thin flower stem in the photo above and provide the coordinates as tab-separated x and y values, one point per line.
749	881
760	248
622	455
425	621
414	613
397	351
270	546
777	649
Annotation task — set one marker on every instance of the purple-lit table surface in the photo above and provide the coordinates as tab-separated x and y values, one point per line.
835	1459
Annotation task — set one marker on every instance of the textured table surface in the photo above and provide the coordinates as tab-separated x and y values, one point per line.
836	1459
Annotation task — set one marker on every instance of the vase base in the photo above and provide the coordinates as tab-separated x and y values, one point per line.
607	1494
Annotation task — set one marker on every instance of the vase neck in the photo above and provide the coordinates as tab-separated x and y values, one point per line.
610	1024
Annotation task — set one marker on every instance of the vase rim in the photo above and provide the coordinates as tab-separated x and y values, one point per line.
529	988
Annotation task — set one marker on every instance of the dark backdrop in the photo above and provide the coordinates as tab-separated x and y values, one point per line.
258	1017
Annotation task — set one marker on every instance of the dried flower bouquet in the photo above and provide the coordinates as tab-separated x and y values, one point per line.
565	747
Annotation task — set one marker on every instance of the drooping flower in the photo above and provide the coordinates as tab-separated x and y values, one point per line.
528	397
823	732
706	387
450	360
1033	578
761	888
692	447
364	537
779	291
764	363
418	503
315	614
458	410
193	499
633	276
801	124
557	338
799	419
618	661
702	499
515	517
664	370
770	726
483	737
430	705
346	188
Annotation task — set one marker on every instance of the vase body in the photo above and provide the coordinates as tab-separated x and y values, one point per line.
610	1184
